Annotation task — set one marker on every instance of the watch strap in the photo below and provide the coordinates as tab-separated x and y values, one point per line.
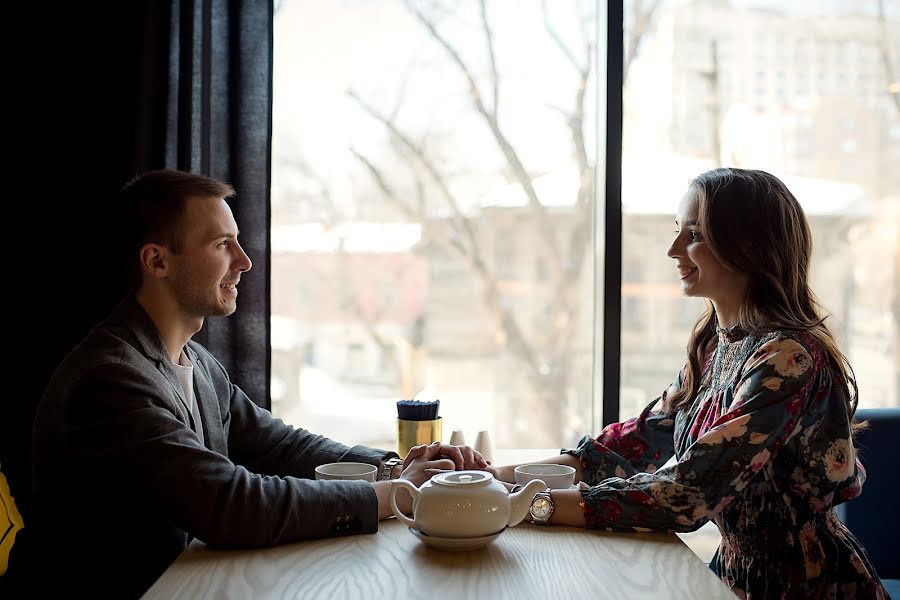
387	467
541	519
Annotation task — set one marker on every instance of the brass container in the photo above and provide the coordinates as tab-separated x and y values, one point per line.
415	433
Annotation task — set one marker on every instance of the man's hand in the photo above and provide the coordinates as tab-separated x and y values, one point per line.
463	457
422	463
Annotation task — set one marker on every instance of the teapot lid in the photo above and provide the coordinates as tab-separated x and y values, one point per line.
463	478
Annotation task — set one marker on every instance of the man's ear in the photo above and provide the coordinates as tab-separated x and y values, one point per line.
154	260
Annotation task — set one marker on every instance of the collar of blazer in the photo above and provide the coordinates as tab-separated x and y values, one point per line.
130	315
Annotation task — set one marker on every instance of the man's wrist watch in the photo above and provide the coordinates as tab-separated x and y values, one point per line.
387	468
541	507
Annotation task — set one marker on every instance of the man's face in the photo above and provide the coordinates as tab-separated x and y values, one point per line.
204	274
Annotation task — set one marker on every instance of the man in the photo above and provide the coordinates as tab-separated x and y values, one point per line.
142	442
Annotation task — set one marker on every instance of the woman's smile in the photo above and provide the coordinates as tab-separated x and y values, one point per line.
685	271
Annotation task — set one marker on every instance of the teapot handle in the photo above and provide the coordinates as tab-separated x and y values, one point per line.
413	491
520	502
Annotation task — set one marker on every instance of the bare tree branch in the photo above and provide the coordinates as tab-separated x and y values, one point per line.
489	39
564	307
544	356
386	190
642	19
458	215
576	119
558	41
322	200
893	78
512	157
565	301
492	297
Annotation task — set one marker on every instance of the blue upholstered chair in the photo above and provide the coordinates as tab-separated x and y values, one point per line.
874	517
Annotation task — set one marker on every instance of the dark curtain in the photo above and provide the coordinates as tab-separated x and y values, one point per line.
94	94
206	88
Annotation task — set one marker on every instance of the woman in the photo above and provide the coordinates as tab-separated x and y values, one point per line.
760	418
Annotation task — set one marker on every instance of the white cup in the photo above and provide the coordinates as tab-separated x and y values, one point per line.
347	470
557	477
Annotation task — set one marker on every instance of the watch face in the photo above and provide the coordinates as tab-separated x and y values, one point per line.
387	468
541	508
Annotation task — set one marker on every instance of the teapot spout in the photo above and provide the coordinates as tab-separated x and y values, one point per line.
521	501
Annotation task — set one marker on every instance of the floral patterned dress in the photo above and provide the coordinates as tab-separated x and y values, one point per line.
764	451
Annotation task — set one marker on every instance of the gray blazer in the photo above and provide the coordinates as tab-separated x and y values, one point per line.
122	482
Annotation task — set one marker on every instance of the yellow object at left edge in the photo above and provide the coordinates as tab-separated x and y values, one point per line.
10	523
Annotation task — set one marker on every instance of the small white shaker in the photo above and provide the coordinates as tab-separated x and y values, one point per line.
484	444
457	438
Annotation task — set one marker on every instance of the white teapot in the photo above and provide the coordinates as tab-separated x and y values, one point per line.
464	504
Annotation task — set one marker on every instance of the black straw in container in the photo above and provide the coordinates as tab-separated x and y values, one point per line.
417	423
416	410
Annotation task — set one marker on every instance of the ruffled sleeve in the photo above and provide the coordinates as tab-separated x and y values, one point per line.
770	395
641	444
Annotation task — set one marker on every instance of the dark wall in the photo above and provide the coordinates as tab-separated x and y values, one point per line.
71	143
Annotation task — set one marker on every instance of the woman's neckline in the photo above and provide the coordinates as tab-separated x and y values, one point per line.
731	334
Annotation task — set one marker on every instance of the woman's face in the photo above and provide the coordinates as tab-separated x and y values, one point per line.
701	273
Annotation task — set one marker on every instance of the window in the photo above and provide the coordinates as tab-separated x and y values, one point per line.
433	185
829	160
447	234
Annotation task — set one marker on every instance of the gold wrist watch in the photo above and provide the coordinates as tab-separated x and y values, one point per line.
541	507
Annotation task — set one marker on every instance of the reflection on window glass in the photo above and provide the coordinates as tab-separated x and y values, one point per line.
433	197
808	91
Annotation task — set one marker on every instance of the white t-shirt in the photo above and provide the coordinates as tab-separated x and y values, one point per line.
185	372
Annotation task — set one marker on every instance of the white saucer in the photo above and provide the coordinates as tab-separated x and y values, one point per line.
455	544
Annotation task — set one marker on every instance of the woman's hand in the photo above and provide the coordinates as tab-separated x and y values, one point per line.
505	473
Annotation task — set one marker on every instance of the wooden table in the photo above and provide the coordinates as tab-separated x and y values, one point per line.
526	561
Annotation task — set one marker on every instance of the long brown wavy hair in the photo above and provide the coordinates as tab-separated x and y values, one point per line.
754	225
